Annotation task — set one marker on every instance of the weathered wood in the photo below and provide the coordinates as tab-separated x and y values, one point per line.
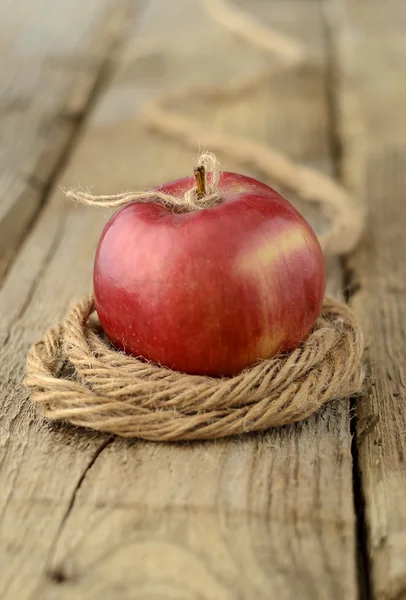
54	55
86	516
373	33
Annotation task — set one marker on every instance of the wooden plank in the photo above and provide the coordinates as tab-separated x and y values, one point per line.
374	33
54	56
86	516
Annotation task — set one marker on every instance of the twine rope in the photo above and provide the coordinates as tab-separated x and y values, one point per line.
345	213
116	393
75	375
189	202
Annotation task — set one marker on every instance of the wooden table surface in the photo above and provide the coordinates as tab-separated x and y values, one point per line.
311	511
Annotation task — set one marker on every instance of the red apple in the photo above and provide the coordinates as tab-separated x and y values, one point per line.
211	291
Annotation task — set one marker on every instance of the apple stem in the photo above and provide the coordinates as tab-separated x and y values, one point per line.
200	176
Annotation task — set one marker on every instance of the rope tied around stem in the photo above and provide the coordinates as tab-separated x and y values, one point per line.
205	194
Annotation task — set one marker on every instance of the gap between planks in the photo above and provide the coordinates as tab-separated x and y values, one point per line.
333	31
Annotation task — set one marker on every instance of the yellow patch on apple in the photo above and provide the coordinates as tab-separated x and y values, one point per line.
270	250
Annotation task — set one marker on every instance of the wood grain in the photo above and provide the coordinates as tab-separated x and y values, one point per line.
374	33
54	56
85	516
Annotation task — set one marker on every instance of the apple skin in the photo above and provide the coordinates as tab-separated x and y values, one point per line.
212	291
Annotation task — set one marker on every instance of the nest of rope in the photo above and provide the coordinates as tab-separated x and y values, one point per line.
75	375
